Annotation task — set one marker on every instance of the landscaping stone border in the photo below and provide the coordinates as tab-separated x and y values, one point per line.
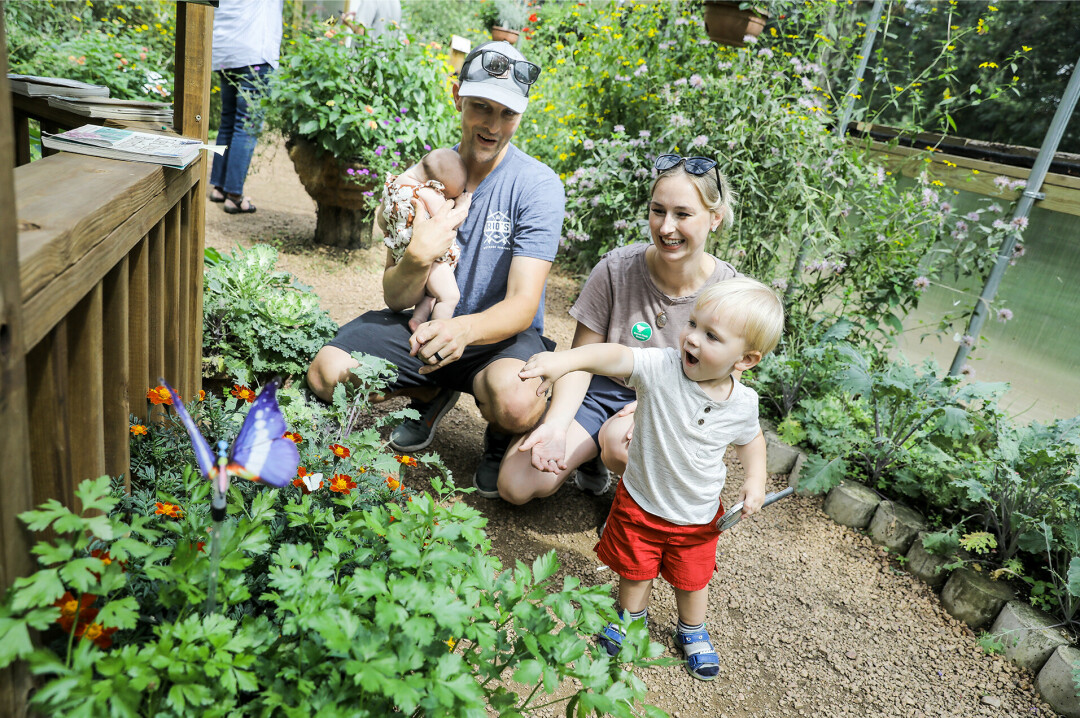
968	595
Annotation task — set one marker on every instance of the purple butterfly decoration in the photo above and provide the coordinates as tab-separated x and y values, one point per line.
260	452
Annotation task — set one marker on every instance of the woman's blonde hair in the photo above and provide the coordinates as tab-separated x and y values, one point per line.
748	299
717	198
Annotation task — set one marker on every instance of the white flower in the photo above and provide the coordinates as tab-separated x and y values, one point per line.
699	141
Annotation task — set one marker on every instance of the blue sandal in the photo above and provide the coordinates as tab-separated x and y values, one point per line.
701	659
611	638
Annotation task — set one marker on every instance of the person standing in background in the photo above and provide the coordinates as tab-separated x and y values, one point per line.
247	44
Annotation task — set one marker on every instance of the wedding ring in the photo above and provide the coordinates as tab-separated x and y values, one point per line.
437	357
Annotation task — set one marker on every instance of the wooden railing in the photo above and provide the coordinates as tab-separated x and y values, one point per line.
100	294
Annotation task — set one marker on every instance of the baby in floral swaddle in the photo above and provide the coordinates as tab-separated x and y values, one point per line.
439	176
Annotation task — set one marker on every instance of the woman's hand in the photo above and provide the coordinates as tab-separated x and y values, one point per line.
627	411
548	446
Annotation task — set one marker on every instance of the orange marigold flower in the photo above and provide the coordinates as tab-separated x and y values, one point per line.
407	460
101	636
138	429
296	438
243	392
170	510
202	394
393	483
159	395
71	609
340	451
199	546
301	471
342	484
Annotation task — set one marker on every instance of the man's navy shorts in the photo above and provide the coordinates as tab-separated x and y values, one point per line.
385	334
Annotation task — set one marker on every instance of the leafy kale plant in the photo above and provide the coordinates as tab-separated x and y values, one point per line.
258	322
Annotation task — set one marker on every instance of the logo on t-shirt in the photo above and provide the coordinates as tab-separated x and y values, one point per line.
641	331
497	230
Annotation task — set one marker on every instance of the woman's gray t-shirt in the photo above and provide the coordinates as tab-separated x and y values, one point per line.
621	302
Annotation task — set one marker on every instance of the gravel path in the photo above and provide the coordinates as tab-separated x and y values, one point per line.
810	618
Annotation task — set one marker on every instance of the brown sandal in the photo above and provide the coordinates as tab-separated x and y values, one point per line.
238	205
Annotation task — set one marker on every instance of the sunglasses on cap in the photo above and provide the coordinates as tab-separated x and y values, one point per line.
696	166
496	64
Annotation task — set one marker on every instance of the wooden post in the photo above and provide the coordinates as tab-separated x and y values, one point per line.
15	558
191	103
115	330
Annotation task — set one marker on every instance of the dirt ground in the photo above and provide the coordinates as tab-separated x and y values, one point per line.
809	617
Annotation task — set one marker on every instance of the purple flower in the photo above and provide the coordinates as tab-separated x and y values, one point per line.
1004	315
921	283
619	128
765	52
995	208
972	216
350	171
587	144
750	39
379	150
427	147
641	70
780	284
643	134
620	224
386	122
364	171
404	110
699	141
397	119
1001	181
968	371
1020	222
397	154
393	164
998	224
967	340
399	140
368	194
680	82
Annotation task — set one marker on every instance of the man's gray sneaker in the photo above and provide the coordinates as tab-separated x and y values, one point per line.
593	477
486	478
416	434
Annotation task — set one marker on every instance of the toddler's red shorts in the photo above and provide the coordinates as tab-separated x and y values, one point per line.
638	546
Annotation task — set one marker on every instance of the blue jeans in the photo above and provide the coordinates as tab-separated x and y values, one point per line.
240	125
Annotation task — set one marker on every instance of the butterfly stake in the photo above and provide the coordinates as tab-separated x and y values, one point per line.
260	452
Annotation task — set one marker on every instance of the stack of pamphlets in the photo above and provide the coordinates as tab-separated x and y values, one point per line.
35	86
118	144
113	109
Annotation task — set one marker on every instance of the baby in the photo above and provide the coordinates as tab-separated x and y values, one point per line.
439	176
690	408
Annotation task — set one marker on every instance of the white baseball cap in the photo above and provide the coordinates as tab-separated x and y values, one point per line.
506	89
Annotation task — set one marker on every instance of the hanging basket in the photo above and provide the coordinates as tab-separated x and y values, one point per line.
503	33
726	24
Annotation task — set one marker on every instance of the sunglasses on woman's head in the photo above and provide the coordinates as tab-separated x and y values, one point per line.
696	166
496	64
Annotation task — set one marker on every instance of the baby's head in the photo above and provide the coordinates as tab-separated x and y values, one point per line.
446	166
733	325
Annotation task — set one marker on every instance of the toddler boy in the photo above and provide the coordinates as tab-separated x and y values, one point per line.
690	407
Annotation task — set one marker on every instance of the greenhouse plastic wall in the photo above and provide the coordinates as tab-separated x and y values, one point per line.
1037	350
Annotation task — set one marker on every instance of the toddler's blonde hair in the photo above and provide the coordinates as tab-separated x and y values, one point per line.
749	299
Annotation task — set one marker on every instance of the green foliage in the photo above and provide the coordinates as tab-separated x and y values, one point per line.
380	102
1029	477
802	366
258	322
942	543
126	46
979	542
377	597
990	644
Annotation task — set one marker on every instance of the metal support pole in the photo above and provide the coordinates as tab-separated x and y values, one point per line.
1031	193
868	46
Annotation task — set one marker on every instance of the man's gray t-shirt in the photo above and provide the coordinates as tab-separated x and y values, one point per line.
516	211
676	466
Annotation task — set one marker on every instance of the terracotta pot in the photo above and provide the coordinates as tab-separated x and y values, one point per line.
343	219
726	24
503	33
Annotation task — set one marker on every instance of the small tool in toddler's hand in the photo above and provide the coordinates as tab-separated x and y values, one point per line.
732	515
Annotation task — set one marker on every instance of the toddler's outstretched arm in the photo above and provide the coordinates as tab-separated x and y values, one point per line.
752	457
604	359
